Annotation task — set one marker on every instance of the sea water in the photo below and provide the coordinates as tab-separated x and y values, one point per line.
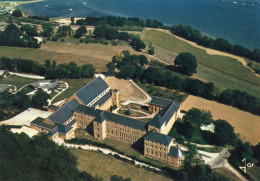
238	21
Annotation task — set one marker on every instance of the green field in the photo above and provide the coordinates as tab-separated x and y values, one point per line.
225	72
101	165
254	172
64	52
17	81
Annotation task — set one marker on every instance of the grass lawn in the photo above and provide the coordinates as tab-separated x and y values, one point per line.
225	172
133	113
74	85
211	149
137	107
254	172
101	165
224	71
119	145
64	52
17	81
27	89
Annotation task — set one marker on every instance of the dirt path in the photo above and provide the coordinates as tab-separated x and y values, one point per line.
126	89
208	50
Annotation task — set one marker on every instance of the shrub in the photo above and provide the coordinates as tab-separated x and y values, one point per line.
128	112
55	38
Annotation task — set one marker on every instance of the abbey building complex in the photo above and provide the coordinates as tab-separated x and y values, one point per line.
89	108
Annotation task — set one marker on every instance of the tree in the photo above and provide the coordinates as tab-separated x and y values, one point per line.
106	31
37	158
17	13
123	36
137	43
142	60
11	36
187	63
193	120
88	70
47	30
118	178
256	55
223	133
151	49
81	31
65	31
40	98
111	68
127	71
29	30
256	150
128	112
72	20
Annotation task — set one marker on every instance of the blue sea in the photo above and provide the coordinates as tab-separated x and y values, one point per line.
238	21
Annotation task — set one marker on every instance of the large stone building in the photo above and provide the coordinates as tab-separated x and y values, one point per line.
61	124
161	147
167	113
87	109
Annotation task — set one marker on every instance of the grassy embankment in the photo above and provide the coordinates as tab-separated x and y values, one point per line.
101	165
17	81
126	148
224	71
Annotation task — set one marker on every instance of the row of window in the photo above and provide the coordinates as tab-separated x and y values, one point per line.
129	130
155	153
98	97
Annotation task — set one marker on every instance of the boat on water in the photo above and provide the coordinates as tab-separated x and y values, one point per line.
85	3
70	9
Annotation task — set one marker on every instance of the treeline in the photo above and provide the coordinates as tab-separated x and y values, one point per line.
160	76
240	100
12	104
12	36
49	69
70	70
119	21
22	65
221	44
44	18
37	158
108	32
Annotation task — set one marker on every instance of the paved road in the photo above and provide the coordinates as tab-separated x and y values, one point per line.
23	75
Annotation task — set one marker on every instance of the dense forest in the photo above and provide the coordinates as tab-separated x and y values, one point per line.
39	158
49	69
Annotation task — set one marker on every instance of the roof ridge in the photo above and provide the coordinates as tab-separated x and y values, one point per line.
86	85
163	98
168	109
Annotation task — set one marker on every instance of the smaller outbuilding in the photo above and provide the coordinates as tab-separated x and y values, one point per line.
47	85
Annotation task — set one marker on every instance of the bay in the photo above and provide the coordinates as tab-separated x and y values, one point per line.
238	21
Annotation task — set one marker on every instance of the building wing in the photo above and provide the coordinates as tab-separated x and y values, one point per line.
92	90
